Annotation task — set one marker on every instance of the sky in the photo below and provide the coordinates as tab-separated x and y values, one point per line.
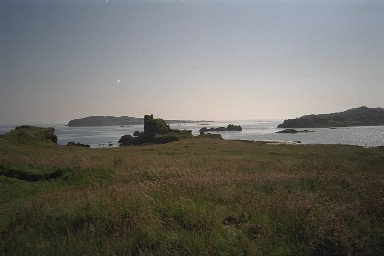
212	60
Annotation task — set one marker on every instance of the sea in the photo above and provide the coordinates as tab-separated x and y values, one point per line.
253	130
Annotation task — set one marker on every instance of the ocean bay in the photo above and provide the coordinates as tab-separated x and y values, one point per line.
257	130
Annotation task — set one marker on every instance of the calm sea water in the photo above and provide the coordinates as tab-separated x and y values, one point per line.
108	136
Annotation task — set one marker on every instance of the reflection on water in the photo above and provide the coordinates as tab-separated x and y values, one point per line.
108	136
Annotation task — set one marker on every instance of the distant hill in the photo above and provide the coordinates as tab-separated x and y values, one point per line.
116	121
361	116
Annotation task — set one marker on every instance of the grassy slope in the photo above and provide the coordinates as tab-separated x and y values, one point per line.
193	197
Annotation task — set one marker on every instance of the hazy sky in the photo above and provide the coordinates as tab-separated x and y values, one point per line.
62	59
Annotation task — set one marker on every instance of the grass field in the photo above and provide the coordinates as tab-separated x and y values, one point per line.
199	196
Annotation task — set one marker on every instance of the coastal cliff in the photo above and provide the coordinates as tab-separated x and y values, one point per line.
362	116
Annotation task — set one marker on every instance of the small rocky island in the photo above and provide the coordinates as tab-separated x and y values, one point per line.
230	127
156	131
293	131
362	116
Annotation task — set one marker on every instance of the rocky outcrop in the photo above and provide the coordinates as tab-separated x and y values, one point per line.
156	131
137	133
78	144
126	140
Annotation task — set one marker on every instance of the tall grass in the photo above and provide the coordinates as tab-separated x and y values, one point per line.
195	197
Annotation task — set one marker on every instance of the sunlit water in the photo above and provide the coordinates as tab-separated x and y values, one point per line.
108	136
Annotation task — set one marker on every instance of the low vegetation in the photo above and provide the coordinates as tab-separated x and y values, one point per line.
199	196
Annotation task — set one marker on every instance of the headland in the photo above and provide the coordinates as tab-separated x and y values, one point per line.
361	116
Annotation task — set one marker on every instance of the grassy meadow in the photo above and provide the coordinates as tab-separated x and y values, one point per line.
200	196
